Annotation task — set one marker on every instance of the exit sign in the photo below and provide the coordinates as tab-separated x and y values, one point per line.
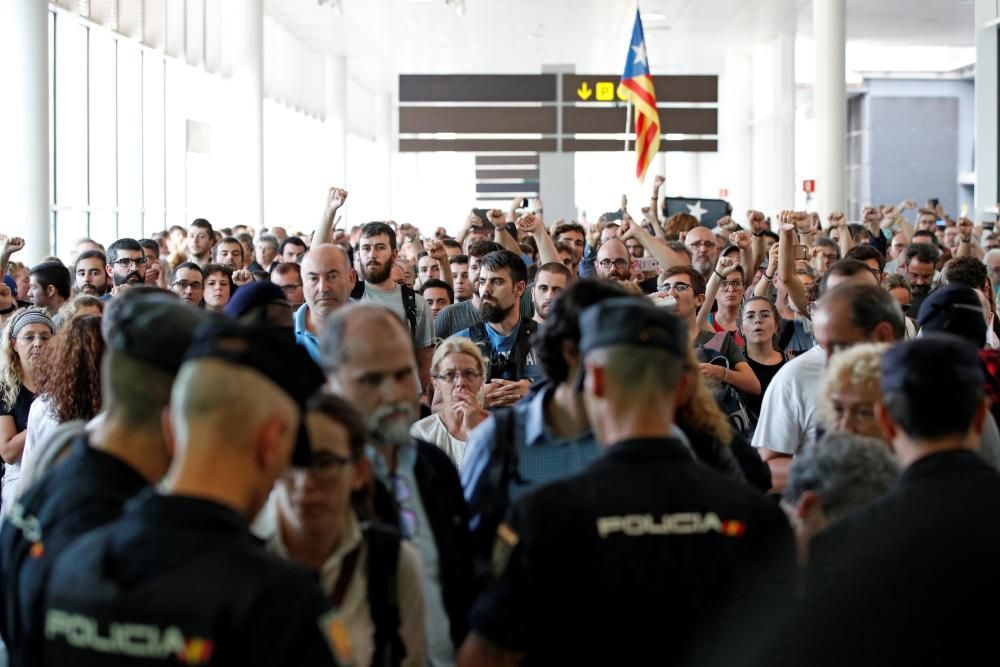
809	186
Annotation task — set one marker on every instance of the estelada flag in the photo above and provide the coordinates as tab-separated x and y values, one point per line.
637	87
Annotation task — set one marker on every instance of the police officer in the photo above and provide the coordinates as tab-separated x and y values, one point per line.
179	579
622	563
148	333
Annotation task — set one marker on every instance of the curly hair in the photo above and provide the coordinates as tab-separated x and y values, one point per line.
858	367
69	374
701	412
11	372
677	223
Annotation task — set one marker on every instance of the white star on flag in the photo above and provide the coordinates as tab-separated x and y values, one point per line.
640	54
696	210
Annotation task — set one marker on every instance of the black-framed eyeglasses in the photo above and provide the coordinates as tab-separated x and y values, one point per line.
678	288
184	284
732	285
328	462
617	263
126	262
290	289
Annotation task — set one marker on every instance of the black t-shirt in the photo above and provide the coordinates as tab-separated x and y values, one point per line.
19	411
765	373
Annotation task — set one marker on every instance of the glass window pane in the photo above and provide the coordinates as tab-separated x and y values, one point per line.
152	143
103	150
129	140
70	109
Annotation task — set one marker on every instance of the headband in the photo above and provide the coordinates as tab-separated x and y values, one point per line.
27	317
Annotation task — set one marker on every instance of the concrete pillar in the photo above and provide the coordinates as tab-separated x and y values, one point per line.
986	194
245	122
335	121
830	104
735	113
557	185
24	117
772	135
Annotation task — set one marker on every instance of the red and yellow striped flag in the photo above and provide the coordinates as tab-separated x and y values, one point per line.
637	87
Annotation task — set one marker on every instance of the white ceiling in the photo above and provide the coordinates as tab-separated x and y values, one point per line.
383	38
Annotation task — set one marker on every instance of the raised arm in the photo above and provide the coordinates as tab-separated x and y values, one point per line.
741	240
723	268
654	208
439	254
661	252
758	246
844	238
8	246
501	235
323	233
532	224
763	286
786	261
968	246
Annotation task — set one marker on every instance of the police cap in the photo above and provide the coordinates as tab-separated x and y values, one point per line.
282	361
631	321
252	295
153	328
954	309
930	364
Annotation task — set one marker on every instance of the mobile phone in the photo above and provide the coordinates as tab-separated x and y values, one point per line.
988	226
612	215
480	213
524	203
933	202
801	252
647	264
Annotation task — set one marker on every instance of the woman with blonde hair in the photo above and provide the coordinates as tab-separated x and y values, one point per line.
459	371
24	337
850	388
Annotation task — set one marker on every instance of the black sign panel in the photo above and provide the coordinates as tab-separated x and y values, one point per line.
477	88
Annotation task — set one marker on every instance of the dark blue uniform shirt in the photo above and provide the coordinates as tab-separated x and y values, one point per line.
83	492
180	580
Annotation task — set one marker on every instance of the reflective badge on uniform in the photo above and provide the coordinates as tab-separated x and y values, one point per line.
734	528
506	540
336	636
197	651
37	550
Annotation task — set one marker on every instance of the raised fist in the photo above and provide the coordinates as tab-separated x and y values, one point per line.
726	265
658	181
436	250
528	223
836	219
741	239
242	277
871	214
10	244
756	221
336	198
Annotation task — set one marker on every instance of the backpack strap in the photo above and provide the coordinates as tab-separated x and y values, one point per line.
410	306
383	544
522	346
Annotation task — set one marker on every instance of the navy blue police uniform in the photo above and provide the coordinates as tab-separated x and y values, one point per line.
88	489
628	559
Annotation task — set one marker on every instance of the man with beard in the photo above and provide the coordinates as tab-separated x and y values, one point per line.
704	252
366	353
327	280
551	279
229	253
126	265
504	336
89	274
377	252
919	261
614	263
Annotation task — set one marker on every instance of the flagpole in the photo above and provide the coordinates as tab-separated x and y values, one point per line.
628	122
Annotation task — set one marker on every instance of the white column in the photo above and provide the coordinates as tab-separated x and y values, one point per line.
735	111
830	104
986	195
772	135
557	185
245	29
24	117
335	122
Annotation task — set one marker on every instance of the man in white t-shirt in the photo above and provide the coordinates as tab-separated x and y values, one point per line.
788	418
377	253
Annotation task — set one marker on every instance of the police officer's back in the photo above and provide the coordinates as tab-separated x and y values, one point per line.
628	559
147	336
179	579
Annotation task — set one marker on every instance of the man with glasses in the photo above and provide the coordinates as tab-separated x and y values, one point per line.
367	354
188	283
919	261
614	263
90	277
327	281
126	265
704	251
288	277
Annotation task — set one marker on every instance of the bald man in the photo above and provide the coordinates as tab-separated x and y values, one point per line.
704	252
327	281
614	263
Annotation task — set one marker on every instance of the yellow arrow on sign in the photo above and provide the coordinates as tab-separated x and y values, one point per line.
584	91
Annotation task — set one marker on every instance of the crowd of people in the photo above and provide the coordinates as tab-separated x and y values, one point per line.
632	440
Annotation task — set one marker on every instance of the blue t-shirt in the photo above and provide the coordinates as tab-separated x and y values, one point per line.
503	345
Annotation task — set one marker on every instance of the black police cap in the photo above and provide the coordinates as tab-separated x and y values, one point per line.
631	321
255	294
155	329
933	363
282	361
954	309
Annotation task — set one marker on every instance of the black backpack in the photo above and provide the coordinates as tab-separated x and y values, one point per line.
492	493
409	303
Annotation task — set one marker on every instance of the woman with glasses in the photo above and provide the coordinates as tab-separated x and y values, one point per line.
218	287
69	388
371	575
759	326
725	288
458	369
24	338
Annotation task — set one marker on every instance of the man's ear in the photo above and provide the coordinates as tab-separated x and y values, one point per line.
519	288
269	451
885	420
699	299
362	473
883	333
169	435
110	270
51	291
807	503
